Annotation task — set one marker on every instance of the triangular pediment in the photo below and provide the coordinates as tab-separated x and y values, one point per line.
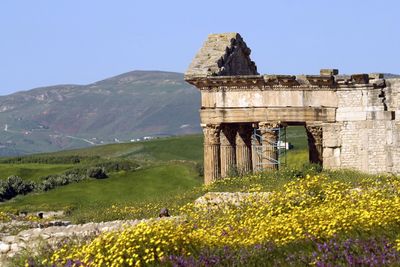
223	54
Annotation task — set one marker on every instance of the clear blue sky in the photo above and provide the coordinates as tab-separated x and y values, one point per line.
47	42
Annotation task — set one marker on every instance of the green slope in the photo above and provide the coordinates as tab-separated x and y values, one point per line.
32	171
170	167
125	107
123	187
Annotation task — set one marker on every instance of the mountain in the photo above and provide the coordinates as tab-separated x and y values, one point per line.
125	107
390	75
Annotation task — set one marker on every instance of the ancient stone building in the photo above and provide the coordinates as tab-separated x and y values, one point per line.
352	121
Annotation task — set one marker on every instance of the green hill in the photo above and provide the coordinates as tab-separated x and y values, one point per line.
167	166
118	109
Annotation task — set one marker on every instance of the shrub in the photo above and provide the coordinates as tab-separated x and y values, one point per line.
50	159
96	172
14	185
53	181
115	166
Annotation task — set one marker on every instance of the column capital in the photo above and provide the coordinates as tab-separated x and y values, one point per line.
314	131
211	133
266	125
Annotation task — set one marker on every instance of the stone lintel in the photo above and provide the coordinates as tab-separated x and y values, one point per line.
225	80
284	114
277	82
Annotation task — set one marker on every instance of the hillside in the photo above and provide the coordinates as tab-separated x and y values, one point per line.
167	166
291	217
117	109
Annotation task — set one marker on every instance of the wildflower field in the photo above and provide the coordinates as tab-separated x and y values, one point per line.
316	219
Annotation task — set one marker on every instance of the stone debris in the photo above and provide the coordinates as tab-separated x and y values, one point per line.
219	199
10	245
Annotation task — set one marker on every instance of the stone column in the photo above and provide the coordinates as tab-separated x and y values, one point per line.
269	145
314	136
212	165
228	149
243	148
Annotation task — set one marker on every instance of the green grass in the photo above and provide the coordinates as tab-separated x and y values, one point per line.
32	171
298	155
297	136
170	167
187	147
123	187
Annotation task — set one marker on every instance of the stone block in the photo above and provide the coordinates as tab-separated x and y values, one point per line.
328	72
350	115
332	141
4	247
327	152
379	115
336	152
331	163
375	75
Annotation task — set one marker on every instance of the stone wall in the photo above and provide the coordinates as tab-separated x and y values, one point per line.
366	133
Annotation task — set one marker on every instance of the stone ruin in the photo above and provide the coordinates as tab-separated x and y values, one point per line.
352	121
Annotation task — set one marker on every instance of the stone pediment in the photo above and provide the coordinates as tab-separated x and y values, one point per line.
223	54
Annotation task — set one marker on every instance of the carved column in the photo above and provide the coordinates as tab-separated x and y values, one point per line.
269	138
243	148
212	165
228	149
314	136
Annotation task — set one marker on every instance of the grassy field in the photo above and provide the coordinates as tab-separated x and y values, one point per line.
187	147
32	171
169	167
120	188
309	216
298	156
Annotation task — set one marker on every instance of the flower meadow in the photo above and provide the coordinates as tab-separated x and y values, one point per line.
308	221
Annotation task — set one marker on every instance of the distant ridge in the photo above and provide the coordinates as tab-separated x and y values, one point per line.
118	109
391	75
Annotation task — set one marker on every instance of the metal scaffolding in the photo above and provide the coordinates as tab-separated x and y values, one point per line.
278	148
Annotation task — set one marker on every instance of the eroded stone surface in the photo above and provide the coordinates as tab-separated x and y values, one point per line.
221	55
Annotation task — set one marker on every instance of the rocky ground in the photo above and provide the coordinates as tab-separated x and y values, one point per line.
19	235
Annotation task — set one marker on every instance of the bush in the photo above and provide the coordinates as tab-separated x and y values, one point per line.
53	181
14	185
115	166
96	172
49	159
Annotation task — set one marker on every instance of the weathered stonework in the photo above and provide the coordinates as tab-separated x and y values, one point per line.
352	121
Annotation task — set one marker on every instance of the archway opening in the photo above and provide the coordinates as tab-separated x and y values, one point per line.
298	152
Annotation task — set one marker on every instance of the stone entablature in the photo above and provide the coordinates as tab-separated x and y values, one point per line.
352	121
276	82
